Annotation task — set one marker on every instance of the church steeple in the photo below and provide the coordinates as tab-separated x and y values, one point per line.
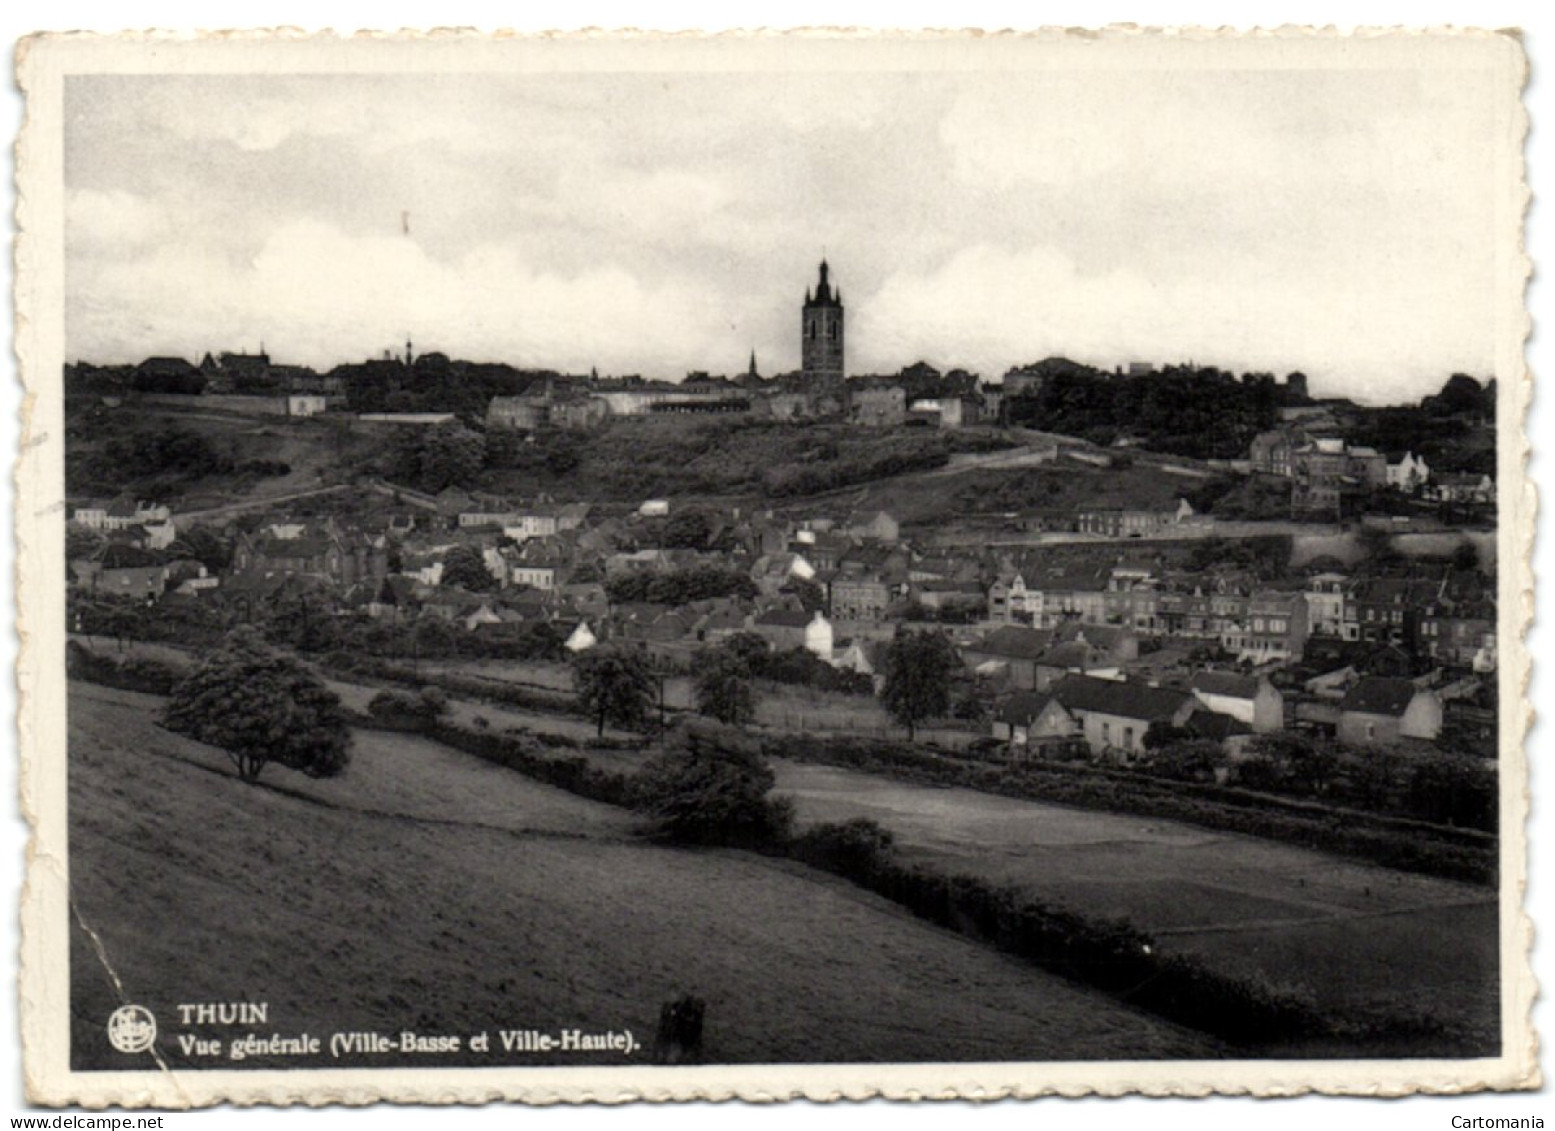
751	372
821	341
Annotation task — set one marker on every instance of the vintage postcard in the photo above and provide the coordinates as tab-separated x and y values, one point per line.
609	567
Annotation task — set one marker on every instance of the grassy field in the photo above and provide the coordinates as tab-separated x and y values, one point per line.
429	891
1364	939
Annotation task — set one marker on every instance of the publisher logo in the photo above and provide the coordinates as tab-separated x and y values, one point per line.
132	1028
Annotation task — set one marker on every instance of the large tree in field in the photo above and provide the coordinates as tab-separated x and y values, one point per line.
261	707
614	686
710	785
723	685
918	669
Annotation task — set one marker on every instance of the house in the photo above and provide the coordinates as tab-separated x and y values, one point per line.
1030	719
1012	650
120	514
542	577
543	519
190	578
965	597
1073	657
1387	609
1121	522
1270	453
1113	715
1322	478
878	407
581	639
1409	474
1460	635
1250	699
1454	487
876	526
1368	466
1011	602
818	637
959	412
862	657
146	583
718	619
1272	629
1117	643
318	554
1331	606
865	596
1063	595
522	413
773	572
785	629
1382	710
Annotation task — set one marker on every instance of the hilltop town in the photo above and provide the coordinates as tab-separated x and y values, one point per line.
1282	569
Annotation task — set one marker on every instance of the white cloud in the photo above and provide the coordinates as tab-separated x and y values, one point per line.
1373	336
112	222
1339	223
315	292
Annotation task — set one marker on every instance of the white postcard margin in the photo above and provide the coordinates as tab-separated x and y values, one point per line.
42	64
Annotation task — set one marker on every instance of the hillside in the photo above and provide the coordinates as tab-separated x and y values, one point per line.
631	459
425	890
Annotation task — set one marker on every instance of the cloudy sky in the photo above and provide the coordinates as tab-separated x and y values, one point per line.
1338	222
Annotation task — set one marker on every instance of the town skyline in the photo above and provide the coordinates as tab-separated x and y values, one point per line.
547	225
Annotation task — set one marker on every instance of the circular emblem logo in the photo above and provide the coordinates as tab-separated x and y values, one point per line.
132	1028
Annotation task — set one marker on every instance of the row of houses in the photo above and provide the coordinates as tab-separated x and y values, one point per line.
1112	717
1328	474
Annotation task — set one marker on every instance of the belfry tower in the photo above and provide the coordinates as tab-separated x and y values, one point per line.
821	332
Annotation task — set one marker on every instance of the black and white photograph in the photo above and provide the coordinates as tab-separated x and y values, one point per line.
645	563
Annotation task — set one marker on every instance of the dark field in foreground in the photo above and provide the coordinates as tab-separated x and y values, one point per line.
429	891
1369	940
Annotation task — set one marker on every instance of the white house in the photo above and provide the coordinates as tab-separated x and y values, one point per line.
818	636
1250	699
534	576
1380	710
582	638
1409	473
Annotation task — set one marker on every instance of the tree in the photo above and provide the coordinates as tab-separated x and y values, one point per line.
918	668
723	686
465	567
83	544
687	530
1465	556
261	707
1183	759
302	619
614	686
750	648
710	786
205	546
449	455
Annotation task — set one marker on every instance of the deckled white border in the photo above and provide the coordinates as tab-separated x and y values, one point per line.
40	540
